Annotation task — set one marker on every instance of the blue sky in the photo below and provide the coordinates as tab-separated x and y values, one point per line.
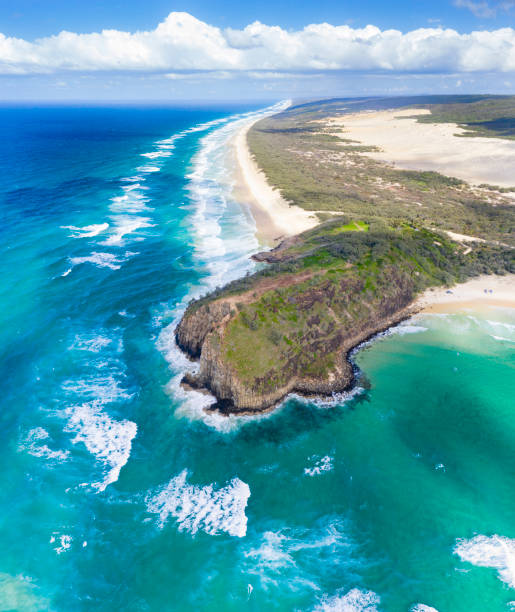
34	18
160	50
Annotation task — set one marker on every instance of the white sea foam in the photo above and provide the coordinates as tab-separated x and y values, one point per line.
422	608
222	247
224	234
148	168
498	330
88	231
356	600
103	388
407	328
335	399
282	554
101	260
273	552
90	342
133	185
193	404
157	154
169	142
277	548
108	439
62	541
125	225
202	507
131	202
506	326
32	444
501	339
497	552
325	464
201	127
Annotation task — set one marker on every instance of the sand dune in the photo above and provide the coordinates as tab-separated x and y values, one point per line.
431	146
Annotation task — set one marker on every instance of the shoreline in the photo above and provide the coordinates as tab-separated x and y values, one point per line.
274	217
480	293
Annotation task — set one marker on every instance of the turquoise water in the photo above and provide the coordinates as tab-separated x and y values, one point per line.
119	492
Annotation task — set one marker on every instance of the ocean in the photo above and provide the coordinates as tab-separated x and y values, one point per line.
118	491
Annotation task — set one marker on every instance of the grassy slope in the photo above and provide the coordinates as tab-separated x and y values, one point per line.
358	267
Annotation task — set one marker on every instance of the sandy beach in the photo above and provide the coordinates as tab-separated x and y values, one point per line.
431	146
476	294
275	218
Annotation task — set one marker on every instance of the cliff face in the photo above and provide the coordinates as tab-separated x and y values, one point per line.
205	333
197	324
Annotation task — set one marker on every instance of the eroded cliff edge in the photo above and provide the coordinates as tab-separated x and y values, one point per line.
289	327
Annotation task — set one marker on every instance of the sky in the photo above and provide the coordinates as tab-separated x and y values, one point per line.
238	50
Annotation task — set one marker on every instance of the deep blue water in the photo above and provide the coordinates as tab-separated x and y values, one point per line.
119	492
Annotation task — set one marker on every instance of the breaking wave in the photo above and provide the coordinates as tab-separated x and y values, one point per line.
108	439
356	600
325	464
88	231
36	444
497	552
202	508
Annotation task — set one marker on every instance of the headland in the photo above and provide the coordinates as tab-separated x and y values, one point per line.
360	246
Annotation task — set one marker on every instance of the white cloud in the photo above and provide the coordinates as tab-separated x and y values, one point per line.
479	9
483	8
183	44
206	74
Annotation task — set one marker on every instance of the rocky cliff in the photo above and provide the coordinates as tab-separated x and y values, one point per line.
205	332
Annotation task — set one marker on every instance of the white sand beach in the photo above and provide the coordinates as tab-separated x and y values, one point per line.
476	294
431	146
275	218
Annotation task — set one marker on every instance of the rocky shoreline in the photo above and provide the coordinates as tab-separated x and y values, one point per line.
199	335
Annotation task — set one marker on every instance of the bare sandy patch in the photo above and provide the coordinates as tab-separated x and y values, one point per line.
431	146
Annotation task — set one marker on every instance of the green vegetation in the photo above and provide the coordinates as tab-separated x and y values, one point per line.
327	174
332	286
492	116
353	226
